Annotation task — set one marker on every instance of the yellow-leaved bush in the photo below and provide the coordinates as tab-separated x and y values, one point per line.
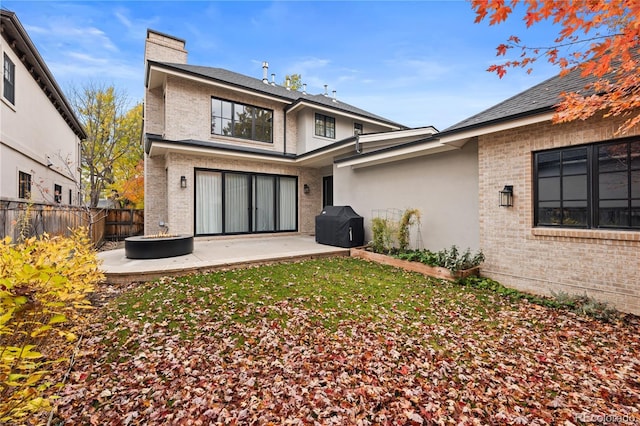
44	283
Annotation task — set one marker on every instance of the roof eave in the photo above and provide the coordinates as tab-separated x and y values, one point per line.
211	80
34	63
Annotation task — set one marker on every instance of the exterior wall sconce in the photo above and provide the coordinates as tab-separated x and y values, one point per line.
306	188
506	196
183	181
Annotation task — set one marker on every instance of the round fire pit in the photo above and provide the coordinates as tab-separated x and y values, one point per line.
157	246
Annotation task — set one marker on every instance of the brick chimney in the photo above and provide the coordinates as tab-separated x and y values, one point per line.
164	48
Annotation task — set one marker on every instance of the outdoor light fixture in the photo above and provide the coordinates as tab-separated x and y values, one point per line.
306	188
506	196
183	181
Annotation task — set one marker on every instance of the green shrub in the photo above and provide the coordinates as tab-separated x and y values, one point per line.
43	286
585	305
383	231
409	218
582	305
451	259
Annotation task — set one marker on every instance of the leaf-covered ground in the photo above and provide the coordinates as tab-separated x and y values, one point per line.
346	342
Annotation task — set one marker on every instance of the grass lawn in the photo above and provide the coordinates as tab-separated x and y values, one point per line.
344	341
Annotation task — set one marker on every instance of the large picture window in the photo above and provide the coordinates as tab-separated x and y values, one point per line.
9	80
241	121
592	186
325	126
238	203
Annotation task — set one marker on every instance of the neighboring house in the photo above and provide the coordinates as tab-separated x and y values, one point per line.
39	134
231	154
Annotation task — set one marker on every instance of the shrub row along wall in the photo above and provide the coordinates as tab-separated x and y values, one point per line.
61	219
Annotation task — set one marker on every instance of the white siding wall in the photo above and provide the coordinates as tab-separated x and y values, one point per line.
30	131
444	187
308	141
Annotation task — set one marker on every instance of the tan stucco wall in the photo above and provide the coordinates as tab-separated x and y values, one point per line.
602	264
444	187
32	133
179	209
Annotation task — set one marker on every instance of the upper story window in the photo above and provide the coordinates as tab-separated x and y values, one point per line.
9	83
593	186
357	129
325	126
241	121
24	185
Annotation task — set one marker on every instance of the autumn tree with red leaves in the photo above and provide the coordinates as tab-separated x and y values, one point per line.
598	38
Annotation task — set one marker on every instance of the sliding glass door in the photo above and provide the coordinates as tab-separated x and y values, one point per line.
239	203
208	202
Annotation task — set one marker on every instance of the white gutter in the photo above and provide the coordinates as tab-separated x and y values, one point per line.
412	151
443	143
342	113
460	138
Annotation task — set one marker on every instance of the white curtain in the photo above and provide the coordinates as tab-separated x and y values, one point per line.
208	203
287	204
236	205
264	204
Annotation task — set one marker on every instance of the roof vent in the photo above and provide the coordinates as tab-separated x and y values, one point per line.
304	88
334	96
273	79
325	90
265	70
287	83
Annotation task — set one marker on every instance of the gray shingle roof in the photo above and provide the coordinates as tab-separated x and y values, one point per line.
540	98
292	96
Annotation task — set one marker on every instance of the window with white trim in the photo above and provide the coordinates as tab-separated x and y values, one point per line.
9	80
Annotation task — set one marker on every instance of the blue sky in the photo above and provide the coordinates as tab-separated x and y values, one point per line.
418	63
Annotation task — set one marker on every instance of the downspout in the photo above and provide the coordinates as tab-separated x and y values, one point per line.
358	143
285	130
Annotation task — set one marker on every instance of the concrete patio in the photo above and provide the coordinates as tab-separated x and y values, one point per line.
216	254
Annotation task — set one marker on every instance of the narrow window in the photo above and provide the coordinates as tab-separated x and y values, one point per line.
57	193
24	185
357	129
9	80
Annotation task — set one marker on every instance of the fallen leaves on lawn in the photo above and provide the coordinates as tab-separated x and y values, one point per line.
207	358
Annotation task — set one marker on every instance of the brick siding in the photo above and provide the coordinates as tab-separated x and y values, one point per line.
180	203
600	263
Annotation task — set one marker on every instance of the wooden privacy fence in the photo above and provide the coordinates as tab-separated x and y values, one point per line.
37	219
122	223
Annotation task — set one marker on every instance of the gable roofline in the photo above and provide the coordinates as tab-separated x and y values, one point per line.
292	98
540	99
20	42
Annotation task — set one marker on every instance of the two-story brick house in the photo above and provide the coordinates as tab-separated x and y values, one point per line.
40	135
231	154
571	224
